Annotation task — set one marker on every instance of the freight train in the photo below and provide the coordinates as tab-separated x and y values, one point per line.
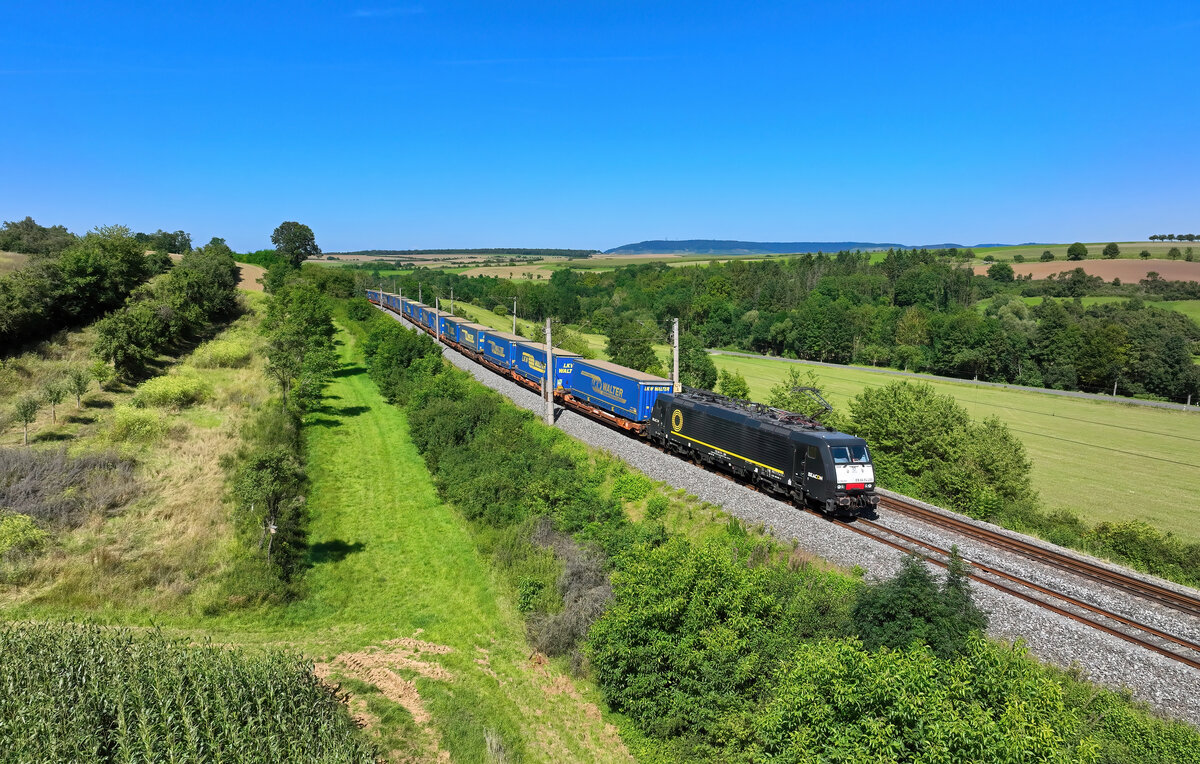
779	452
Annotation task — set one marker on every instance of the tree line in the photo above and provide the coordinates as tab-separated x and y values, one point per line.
912	310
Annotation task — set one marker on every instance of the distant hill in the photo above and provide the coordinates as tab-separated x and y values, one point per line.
724	247
516	251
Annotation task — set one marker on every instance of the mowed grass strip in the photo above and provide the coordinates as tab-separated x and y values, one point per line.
1102	460
392	562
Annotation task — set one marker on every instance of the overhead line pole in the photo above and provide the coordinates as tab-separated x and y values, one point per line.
514	315
675	357
549	376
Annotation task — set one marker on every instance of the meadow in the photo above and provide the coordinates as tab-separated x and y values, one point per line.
1102	460
10	261
1189	308
1130	250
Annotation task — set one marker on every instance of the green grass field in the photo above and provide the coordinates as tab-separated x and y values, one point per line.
1189	308
1102	460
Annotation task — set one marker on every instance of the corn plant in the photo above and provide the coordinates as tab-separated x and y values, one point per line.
85	693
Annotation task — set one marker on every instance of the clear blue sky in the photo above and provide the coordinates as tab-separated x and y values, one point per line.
593	124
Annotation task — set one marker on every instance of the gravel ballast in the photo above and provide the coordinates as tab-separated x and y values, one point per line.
1167	685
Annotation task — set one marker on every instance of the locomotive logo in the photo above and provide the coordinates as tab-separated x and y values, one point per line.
676	420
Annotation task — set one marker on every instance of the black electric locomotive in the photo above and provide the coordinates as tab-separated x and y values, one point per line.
779	451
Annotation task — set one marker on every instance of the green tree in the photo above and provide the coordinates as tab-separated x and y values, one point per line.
1144	254
54	394
295	242
1173	253
268	487
912	608
26	408
1111	251
1077	251
78	381
788	397
733	384
1000	272
1047	256
300	352
696	367
630	344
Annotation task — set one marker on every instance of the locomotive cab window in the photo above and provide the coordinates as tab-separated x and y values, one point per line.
813	452
850	455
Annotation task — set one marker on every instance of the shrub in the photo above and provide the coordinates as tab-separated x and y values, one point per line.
221	354
657	507
911	608
171	391
836	702
631	486
695	634
18	534
133	425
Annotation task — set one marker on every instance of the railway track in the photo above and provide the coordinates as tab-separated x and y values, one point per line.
1130	630
1091	571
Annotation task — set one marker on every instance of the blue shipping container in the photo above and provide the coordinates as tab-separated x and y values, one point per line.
530	362
471	336
500	347
373	295
625	392
451	324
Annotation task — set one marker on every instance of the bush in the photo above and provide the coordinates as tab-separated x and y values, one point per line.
911	608
696	634
836	702
18	534
657	507
221	354
631	486
172	391
360	309
82	693
133	425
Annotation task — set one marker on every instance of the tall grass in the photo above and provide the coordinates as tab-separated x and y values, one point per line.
83	693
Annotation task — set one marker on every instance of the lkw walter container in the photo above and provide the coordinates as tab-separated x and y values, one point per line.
621	391
470	336
452	323
500	347
530	362
433	318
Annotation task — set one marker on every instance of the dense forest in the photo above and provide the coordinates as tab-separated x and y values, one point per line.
518	251
919	310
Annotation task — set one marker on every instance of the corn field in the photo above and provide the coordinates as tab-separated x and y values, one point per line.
85	693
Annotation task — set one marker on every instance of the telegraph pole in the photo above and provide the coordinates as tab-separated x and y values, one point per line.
549	376
675	357
419	292
514	315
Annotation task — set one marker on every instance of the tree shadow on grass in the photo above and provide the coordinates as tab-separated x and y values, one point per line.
323	421
332	551
51	437
97	403
350	370
77	419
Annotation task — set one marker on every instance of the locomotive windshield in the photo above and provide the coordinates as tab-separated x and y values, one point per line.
850	455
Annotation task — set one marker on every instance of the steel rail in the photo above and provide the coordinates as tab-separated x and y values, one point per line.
1068	563
1148	645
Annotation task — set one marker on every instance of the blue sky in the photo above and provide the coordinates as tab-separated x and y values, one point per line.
588	124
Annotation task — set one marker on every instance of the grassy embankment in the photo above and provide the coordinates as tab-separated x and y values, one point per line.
10	261
1100	459
398	605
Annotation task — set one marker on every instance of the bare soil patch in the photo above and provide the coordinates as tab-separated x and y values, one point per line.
248	276
1126	270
